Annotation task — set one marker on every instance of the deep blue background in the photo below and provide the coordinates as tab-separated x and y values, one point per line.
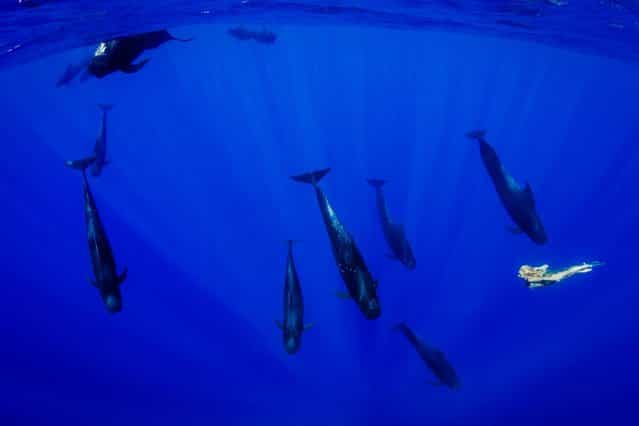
198	204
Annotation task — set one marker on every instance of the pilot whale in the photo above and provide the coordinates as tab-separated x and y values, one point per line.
393	232
98	160
433	358
361	286
518	200
118	54
292	325
106	279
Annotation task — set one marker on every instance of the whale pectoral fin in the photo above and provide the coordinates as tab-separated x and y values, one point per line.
309	326
343	295
123	275
133	68
279	324
514	230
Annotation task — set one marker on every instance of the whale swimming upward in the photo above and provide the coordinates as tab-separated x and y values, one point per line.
361	286
393	232
518	200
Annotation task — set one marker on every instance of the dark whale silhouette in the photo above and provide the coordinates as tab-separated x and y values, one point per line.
433	358
107	281
518	200
98	160
361	286
393	232
118	54
243	34
293	324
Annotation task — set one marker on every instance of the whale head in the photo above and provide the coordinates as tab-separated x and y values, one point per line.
291	344
112	302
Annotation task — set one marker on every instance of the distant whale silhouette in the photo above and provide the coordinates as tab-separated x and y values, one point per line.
264	36
98	160
518	200
361	286
293	325
393	232
433	358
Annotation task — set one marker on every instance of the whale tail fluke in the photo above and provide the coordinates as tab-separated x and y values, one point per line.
313	177
182	40
105	107
81	164
376	183
478	135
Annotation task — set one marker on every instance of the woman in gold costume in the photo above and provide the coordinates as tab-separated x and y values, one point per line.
541	276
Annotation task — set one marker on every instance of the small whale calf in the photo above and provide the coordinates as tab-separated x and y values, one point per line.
107	280
98	160
393	233
518	200
292	325
433	358
361	286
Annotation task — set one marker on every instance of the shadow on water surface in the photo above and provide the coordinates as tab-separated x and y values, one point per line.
609	28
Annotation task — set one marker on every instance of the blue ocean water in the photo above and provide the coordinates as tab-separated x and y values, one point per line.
198	204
